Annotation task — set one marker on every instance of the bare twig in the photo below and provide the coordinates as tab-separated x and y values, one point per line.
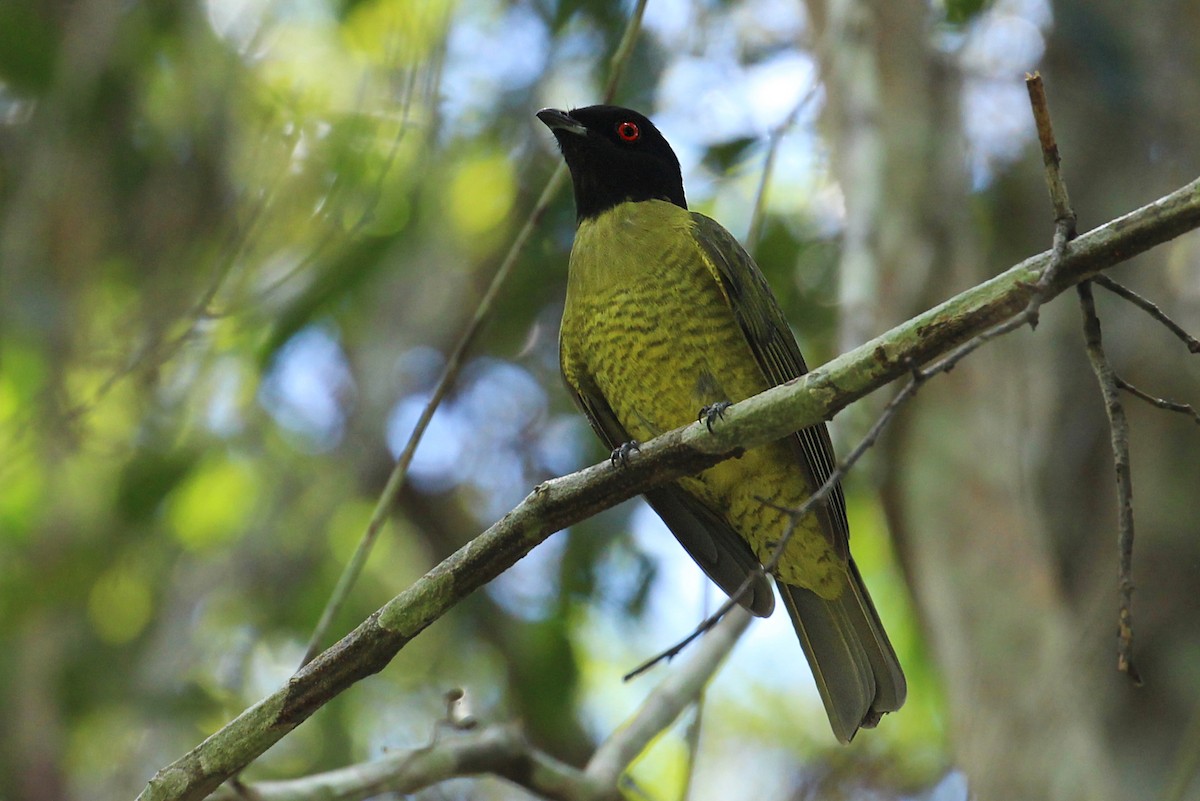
1050	156
1161	403
1064	220
1119	426
1154	311
620	57
758	218
1064	215
395	482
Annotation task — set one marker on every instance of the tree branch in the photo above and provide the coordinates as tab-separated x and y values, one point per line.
561	502
1158	403
1193	344
1119	426
497	750
503	750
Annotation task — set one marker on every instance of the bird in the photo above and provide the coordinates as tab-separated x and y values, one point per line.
667	319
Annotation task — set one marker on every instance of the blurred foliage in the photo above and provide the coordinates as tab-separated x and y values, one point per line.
236	239
960	12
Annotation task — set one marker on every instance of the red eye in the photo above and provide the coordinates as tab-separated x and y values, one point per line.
628	132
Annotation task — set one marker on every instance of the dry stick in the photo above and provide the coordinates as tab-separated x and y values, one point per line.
1064	215
754	233
1050	157
1119	427
395	482
1161	403
1117	422
1154	311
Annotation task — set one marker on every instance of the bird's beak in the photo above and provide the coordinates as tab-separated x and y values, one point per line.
557	120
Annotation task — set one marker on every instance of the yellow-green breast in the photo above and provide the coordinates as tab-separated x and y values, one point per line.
648	327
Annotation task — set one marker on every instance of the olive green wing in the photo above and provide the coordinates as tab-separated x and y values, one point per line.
778	356
724	556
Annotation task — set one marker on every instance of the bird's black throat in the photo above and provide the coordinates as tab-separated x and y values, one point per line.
607	169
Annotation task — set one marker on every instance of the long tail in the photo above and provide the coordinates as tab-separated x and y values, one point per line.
852	660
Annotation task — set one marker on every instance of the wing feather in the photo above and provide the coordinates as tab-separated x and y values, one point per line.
778	356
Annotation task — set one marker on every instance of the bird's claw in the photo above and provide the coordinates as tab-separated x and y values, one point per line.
620	454
713	412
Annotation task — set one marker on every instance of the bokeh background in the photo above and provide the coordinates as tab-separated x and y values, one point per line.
237	239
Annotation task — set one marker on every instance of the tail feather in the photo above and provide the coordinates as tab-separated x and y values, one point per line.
854	664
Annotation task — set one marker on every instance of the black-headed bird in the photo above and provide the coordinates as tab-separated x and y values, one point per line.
666	316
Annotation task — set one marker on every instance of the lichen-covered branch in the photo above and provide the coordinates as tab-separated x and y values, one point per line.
564	501
503	751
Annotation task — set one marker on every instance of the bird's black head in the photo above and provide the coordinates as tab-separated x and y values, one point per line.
614	155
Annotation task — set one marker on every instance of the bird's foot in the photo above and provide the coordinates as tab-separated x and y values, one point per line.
713	412
620	455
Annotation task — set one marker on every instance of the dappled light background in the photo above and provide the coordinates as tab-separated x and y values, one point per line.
239	237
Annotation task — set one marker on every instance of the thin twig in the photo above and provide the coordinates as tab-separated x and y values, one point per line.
1154	311
620	57
1064	222
1119	426
1050	156
395	482
758	218
1064	215
1161	403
